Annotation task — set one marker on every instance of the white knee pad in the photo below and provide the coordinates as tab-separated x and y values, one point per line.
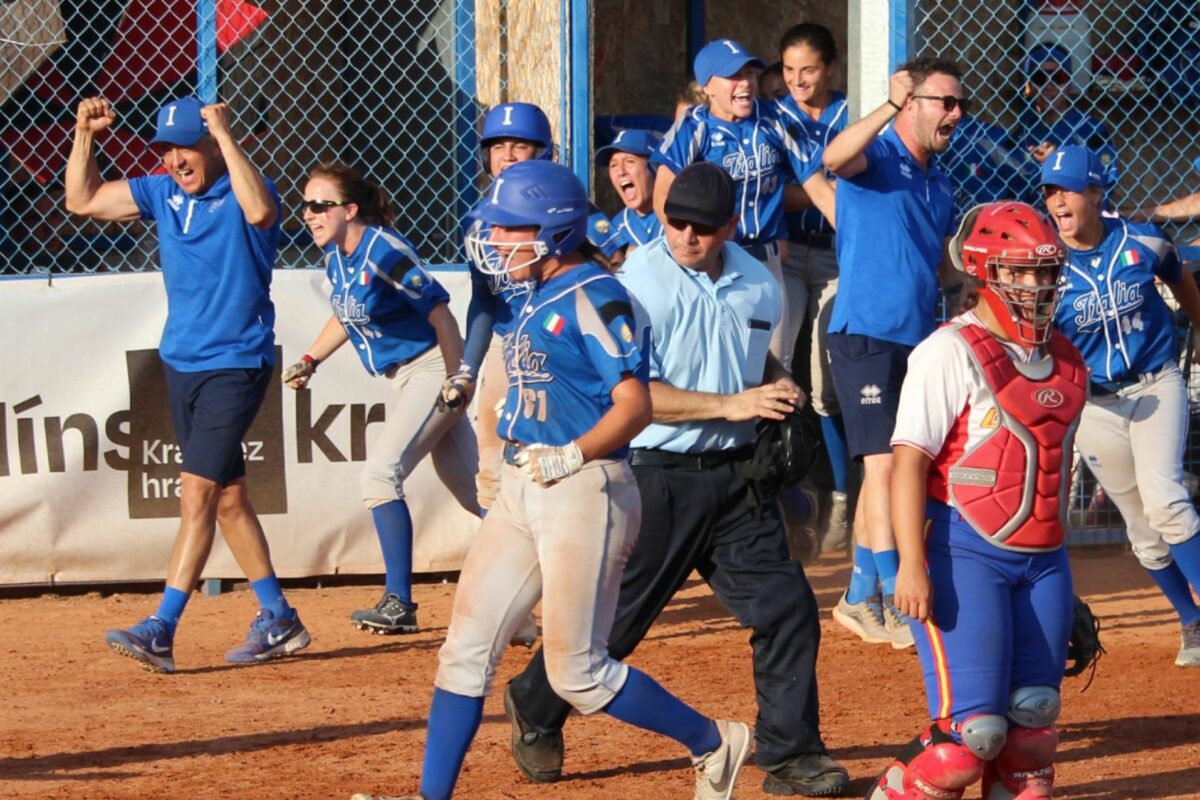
588	684
1034	706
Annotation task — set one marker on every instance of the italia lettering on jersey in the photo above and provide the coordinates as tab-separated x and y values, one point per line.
824	129
1111	309
762	153
638	229
576	339
383	298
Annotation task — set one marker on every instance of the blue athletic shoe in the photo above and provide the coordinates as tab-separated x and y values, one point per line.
270	637
150	642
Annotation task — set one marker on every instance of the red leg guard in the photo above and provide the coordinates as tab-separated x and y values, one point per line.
931	767
1024	770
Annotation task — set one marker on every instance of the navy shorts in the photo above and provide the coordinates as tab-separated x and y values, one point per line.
867	374
211	412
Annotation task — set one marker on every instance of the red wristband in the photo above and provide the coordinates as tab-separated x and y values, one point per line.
310	359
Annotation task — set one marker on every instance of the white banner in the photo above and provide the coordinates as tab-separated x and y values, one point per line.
88	468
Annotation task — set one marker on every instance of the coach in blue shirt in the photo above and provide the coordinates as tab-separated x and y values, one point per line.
894	211
712	308
218	233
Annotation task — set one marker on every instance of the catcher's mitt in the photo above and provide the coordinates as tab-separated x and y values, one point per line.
784	452
1084	649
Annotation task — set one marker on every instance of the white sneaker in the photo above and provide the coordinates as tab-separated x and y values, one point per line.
716	773
1189	646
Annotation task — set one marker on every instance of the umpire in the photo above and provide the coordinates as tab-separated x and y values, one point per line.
712	308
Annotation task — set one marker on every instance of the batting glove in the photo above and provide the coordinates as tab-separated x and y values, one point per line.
548	465
296	376
456	389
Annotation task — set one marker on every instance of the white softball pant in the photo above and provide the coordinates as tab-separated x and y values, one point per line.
810	282
412	430
493	385
1133	442
566	544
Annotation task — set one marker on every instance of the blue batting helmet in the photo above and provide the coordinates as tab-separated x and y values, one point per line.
517	121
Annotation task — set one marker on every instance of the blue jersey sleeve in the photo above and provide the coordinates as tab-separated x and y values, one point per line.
679	145
609	333
399	266
803	148
1167	266
147	193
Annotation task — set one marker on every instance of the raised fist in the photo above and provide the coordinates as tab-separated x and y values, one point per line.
94	114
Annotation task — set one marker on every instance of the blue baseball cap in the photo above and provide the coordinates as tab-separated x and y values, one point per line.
1072	167
638	142
723	57
1041	53
180	123
607	237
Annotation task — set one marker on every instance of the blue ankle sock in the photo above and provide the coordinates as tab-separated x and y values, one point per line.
888	564
453	721
833	430
170	608
864	578
1187	557
642	702
1174	585
393	526
270	596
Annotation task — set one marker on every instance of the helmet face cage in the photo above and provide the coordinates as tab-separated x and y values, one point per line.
1031	307
500	261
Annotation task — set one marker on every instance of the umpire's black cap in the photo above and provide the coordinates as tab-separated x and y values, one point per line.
703	194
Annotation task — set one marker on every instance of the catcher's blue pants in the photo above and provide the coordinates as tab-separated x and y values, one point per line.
698	519
1001	619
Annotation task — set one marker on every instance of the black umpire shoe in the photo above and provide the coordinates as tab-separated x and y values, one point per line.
390	615
539	756
811	775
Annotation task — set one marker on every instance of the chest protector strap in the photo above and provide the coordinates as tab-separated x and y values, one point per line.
1012	486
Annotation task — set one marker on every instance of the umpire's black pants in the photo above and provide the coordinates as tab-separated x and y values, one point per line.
698	519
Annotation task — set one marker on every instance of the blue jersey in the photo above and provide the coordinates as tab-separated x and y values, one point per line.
1110	307
832	121
892	221
1073	127
217	271
383	298
762	153
636	228
576	340
982	164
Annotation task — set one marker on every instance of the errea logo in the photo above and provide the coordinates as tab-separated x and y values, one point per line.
870	395
175	201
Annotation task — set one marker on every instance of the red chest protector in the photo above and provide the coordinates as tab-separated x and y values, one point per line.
1012	486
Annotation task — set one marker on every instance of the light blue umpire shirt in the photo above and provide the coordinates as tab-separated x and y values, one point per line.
705	336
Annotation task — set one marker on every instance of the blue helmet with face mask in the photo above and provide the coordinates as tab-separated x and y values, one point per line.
523	121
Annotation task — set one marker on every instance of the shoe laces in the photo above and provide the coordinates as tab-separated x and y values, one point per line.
898	617
391	604
151	627
874	607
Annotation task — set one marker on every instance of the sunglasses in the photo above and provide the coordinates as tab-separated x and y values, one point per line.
1041	77
698	229
949	102
321	206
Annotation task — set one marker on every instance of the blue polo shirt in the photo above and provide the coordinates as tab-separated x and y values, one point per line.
892	220
1111	308
832	121
574	341
217	271
761	153
639	229
383	298
705	336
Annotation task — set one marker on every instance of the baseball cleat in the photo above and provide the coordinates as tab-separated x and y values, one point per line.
716	772
150	642
1189	645
390	615
270	637
811	775
865	620
897	624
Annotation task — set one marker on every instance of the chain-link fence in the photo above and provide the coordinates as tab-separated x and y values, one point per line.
1119	76
389	87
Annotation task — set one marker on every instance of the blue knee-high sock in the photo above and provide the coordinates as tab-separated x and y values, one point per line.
1174	585
453	721
393	525
888	564
1187	556
864	578
170	608
833	430
270	596
642	702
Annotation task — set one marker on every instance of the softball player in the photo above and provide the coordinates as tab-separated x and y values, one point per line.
397	317
627	160
982	451
568	508
760	150
1135	424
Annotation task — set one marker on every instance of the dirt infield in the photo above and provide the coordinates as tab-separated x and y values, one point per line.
348	714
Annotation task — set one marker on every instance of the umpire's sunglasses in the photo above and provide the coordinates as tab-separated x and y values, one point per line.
1041	77
321	206
949	102
697	228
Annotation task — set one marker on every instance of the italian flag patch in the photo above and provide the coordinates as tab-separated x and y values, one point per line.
554	323
364	277
1130	257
